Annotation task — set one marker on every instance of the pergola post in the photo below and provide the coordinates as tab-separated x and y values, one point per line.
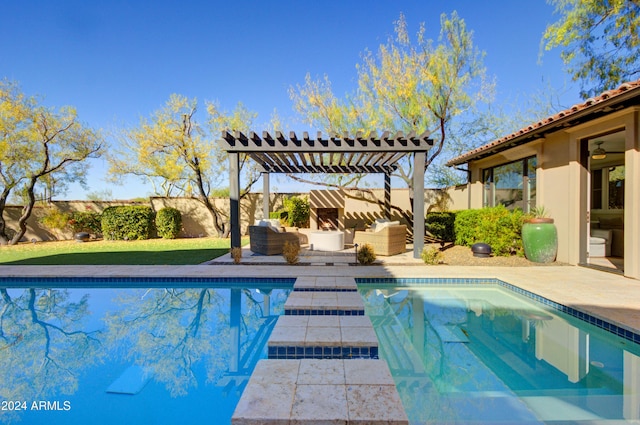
418	203
234	198
387	195
334	154
265	196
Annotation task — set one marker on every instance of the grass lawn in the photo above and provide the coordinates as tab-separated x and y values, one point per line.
99	252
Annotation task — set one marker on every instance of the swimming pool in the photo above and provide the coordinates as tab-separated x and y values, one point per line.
485	354
143	351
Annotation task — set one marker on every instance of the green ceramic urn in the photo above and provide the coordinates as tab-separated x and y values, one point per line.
540	240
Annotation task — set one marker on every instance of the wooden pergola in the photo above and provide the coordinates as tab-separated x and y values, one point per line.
333	154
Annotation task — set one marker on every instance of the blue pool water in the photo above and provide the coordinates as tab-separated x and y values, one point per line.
483	354
162	352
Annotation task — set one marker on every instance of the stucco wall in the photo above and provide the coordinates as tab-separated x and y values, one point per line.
563	183
197	222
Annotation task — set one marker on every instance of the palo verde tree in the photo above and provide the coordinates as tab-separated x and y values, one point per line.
407	85
600	41
38	146
177	155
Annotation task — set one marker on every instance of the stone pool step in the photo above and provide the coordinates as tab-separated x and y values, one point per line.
320	391
328	283
324	303
323	337
323	364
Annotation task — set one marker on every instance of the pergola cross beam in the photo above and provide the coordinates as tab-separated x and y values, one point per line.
334	154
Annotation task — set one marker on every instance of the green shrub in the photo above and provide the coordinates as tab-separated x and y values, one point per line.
127	222
168	223
298	211
496	226
86	221
466	227
53	218
441	225
432	255
366	255
279	215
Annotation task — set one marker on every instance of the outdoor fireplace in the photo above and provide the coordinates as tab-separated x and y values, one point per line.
327	218
327	210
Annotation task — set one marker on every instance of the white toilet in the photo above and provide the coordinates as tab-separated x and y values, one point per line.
600	243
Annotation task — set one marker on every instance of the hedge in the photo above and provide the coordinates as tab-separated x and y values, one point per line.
496	226
441	225
86	221
168	223
127	222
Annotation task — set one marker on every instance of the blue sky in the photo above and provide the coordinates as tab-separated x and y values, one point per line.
117	61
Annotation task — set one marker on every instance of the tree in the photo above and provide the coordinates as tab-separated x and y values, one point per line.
407	86
600	41
177	155
38	145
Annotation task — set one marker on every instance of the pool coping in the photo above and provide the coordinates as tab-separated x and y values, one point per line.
601	296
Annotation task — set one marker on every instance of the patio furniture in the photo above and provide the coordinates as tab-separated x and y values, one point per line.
264	240
326	241
390	238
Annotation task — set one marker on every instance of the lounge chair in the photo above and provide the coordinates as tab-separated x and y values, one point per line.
264	240
387	239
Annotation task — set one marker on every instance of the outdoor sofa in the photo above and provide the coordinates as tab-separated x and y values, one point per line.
267	238
386	237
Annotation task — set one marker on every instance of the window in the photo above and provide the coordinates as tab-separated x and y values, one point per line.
512	185
607	188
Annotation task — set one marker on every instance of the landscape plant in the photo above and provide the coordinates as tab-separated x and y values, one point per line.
127	222
432	256
291	252
599	42
55	219
407	84
236	254
441	225
179	157
86	221
366	254
168	222
298	211
497	226
40	147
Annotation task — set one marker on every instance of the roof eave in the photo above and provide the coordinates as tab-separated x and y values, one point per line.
570	119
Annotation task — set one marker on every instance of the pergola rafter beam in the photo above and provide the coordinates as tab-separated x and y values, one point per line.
386	143
334	154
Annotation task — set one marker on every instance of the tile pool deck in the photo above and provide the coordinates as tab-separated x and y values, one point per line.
607	296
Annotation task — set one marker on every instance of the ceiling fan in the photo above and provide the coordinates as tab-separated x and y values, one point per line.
599	152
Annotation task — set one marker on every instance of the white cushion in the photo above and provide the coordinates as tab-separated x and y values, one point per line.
269	224
382	225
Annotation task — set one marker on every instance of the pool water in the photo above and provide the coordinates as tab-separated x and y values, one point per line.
131	355
485	355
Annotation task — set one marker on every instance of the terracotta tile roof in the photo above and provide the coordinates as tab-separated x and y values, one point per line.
564	118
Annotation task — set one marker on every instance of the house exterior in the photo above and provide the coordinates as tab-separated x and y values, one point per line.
582	165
